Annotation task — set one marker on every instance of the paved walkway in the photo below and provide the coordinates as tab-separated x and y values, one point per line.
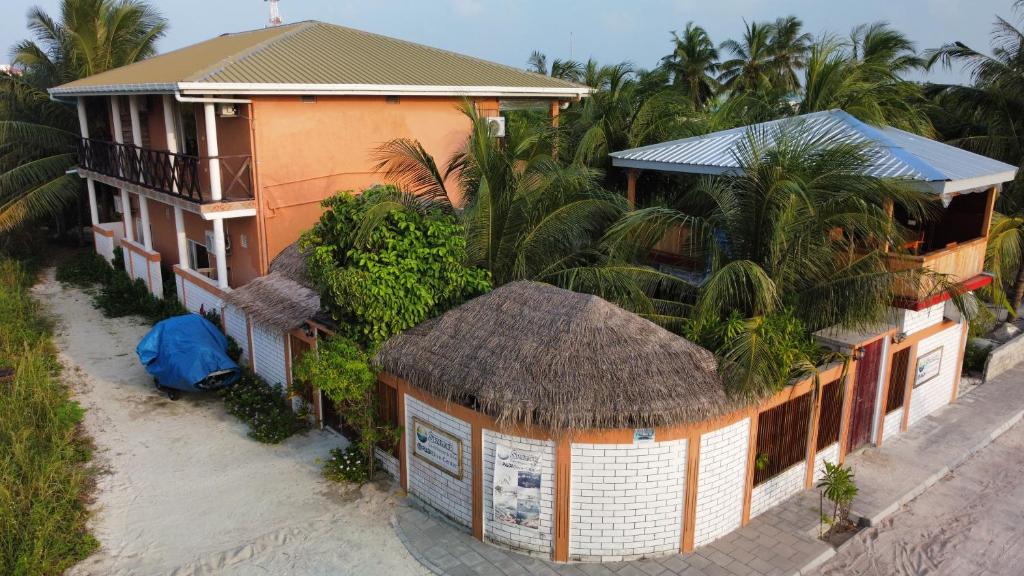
782	540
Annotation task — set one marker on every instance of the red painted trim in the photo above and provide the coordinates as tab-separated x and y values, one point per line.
969	285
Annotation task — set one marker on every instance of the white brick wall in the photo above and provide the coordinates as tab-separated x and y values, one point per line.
388	462
139	267
235	326
196	296
179	284
104	246
829	453
626	500
721	481
268	354
911	321
156	277
774	490
891	424
936	393
539	541
452	497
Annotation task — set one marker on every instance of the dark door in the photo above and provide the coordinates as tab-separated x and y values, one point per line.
865	393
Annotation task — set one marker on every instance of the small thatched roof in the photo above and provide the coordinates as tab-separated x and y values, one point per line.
276	300
291	263
530	353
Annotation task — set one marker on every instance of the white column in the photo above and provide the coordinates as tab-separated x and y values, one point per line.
220	253
133	109
126	206
83	128
115	115
126	211
170	124
179	227
212	149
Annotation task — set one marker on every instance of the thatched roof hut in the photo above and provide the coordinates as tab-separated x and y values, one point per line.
291	264
276	300
530	353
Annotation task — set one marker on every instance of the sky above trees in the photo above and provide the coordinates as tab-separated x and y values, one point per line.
508	31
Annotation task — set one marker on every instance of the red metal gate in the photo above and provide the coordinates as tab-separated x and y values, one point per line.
865	393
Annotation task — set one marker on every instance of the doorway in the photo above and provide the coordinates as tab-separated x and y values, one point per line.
865	394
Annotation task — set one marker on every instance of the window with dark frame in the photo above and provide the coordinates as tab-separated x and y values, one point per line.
897	381
830	418
782	438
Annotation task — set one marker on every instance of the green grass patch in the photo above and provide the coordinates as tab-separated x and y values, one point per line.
45	477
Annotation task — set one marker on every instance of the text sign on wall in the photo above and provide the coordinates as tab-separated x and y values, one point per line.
928	366
437	448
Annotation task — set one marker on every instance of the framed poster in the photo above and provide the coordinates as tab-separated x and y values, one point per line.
517	481
928	367
437	448
643	435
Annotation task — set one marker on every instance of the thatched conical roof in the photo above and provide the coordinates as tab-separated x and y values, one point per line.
276	301
530	353
291	263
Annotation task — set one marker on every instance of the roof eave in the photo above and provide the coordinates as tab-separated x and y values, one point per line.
674	167
113	89
971	184
567	92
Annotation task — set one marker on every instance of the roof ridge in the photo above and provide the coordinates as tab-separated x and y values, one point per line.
449	52
897	150
249	51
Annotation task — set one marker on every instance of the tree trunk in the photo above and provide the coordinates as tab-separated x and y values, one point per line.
1018	290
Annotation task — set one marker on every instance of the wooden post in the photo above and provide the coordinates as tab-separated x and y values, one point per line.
990	205
748	490
563	475
690	508
631	177
884	398
844	421
812	437
556	109
478	481
403	457
960	361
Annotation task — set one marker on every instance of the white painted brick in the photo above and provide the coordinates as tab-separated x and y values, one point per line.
721	481
269	354
774	490
829	453
892	423
533	541
235	326
910	321
937	392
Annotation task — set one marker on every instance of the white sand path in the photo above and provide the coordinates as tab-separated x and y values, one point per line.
185	491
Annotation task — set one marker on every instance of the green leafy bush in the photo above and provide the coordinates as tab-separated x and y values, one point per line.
348	464
84	270
45	476
839	488
123	296
384	267
975	357
264	408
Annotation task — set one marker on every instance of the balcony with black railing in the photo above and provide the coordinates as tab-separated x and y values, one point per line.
179	175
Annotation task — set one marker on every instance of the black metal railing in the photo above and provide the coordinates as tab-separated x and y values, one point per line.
174	174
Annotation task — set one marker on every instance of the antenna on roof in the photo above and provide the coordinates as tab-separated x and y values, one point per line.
275	14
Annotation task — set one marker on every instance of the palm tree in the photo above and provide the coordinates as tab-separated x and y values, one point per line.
789	47
751	69
526	216
538	62
37	137
693	64
870	89
877	42
774	257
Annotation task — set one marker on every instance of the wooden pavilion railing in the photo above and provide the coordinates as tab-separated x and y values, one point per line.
166	172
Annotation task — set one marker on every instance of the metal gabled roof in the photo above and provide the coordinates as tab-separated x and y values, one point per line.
315	57
895	153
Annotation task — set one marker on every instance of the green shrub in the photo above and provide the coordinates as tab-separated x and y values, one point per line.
348	465
44	472
975	357
123	296
84	270
264	408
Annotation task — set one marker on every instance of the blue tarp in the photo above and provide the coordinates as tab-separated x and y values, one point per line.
183	352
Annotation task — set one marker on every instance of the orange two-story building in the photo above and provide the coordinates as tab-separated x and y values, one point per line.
207	161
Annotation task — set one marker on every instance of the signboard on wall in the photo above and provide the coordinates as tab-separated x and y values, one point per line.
928	367
437	448
517	480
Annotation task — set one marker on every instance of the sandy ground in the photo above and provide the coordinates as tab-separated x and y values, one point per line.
184	491
970	523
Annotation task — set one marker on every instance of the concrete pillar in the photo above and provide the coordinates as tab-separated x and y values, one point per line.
179	228
115	118
133	108
126	211
220	253
212	149
83	128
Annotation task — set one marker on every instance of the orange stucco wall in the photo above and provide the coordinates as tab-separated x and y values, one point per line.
306	152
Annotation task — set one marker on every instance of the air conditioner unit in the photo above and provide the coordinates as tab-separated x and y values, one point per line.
227	110
209	243
496	125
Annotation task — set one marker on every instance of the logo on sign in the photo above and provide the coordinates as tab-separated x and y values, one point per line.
437	448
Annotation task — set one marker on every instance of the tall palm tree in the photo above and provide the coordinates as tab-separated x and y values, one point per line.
751	69
693	63
527	216
879	43
789	48
538	62
769	239
37	137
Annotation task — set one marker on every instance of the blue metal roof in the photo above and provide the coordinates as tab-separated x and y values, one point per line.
895	153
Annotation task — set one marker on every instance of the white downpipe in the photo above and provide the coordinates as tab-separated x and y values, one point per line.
212	149
83	128
179	229
220	253
133	109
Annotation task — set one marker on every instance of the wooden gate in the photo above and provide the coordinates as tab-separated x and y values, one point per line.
865	393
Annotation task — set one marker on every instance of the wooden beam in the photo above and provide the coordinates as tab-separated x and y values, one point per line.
748	489
631	177
478	481
960	361
844	421
884	398
563	475
690	508
990	206
812	436
911	374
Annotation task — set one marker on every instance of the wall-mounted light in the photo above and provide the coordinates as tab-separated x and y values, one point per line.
899	337
858	354
308	330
